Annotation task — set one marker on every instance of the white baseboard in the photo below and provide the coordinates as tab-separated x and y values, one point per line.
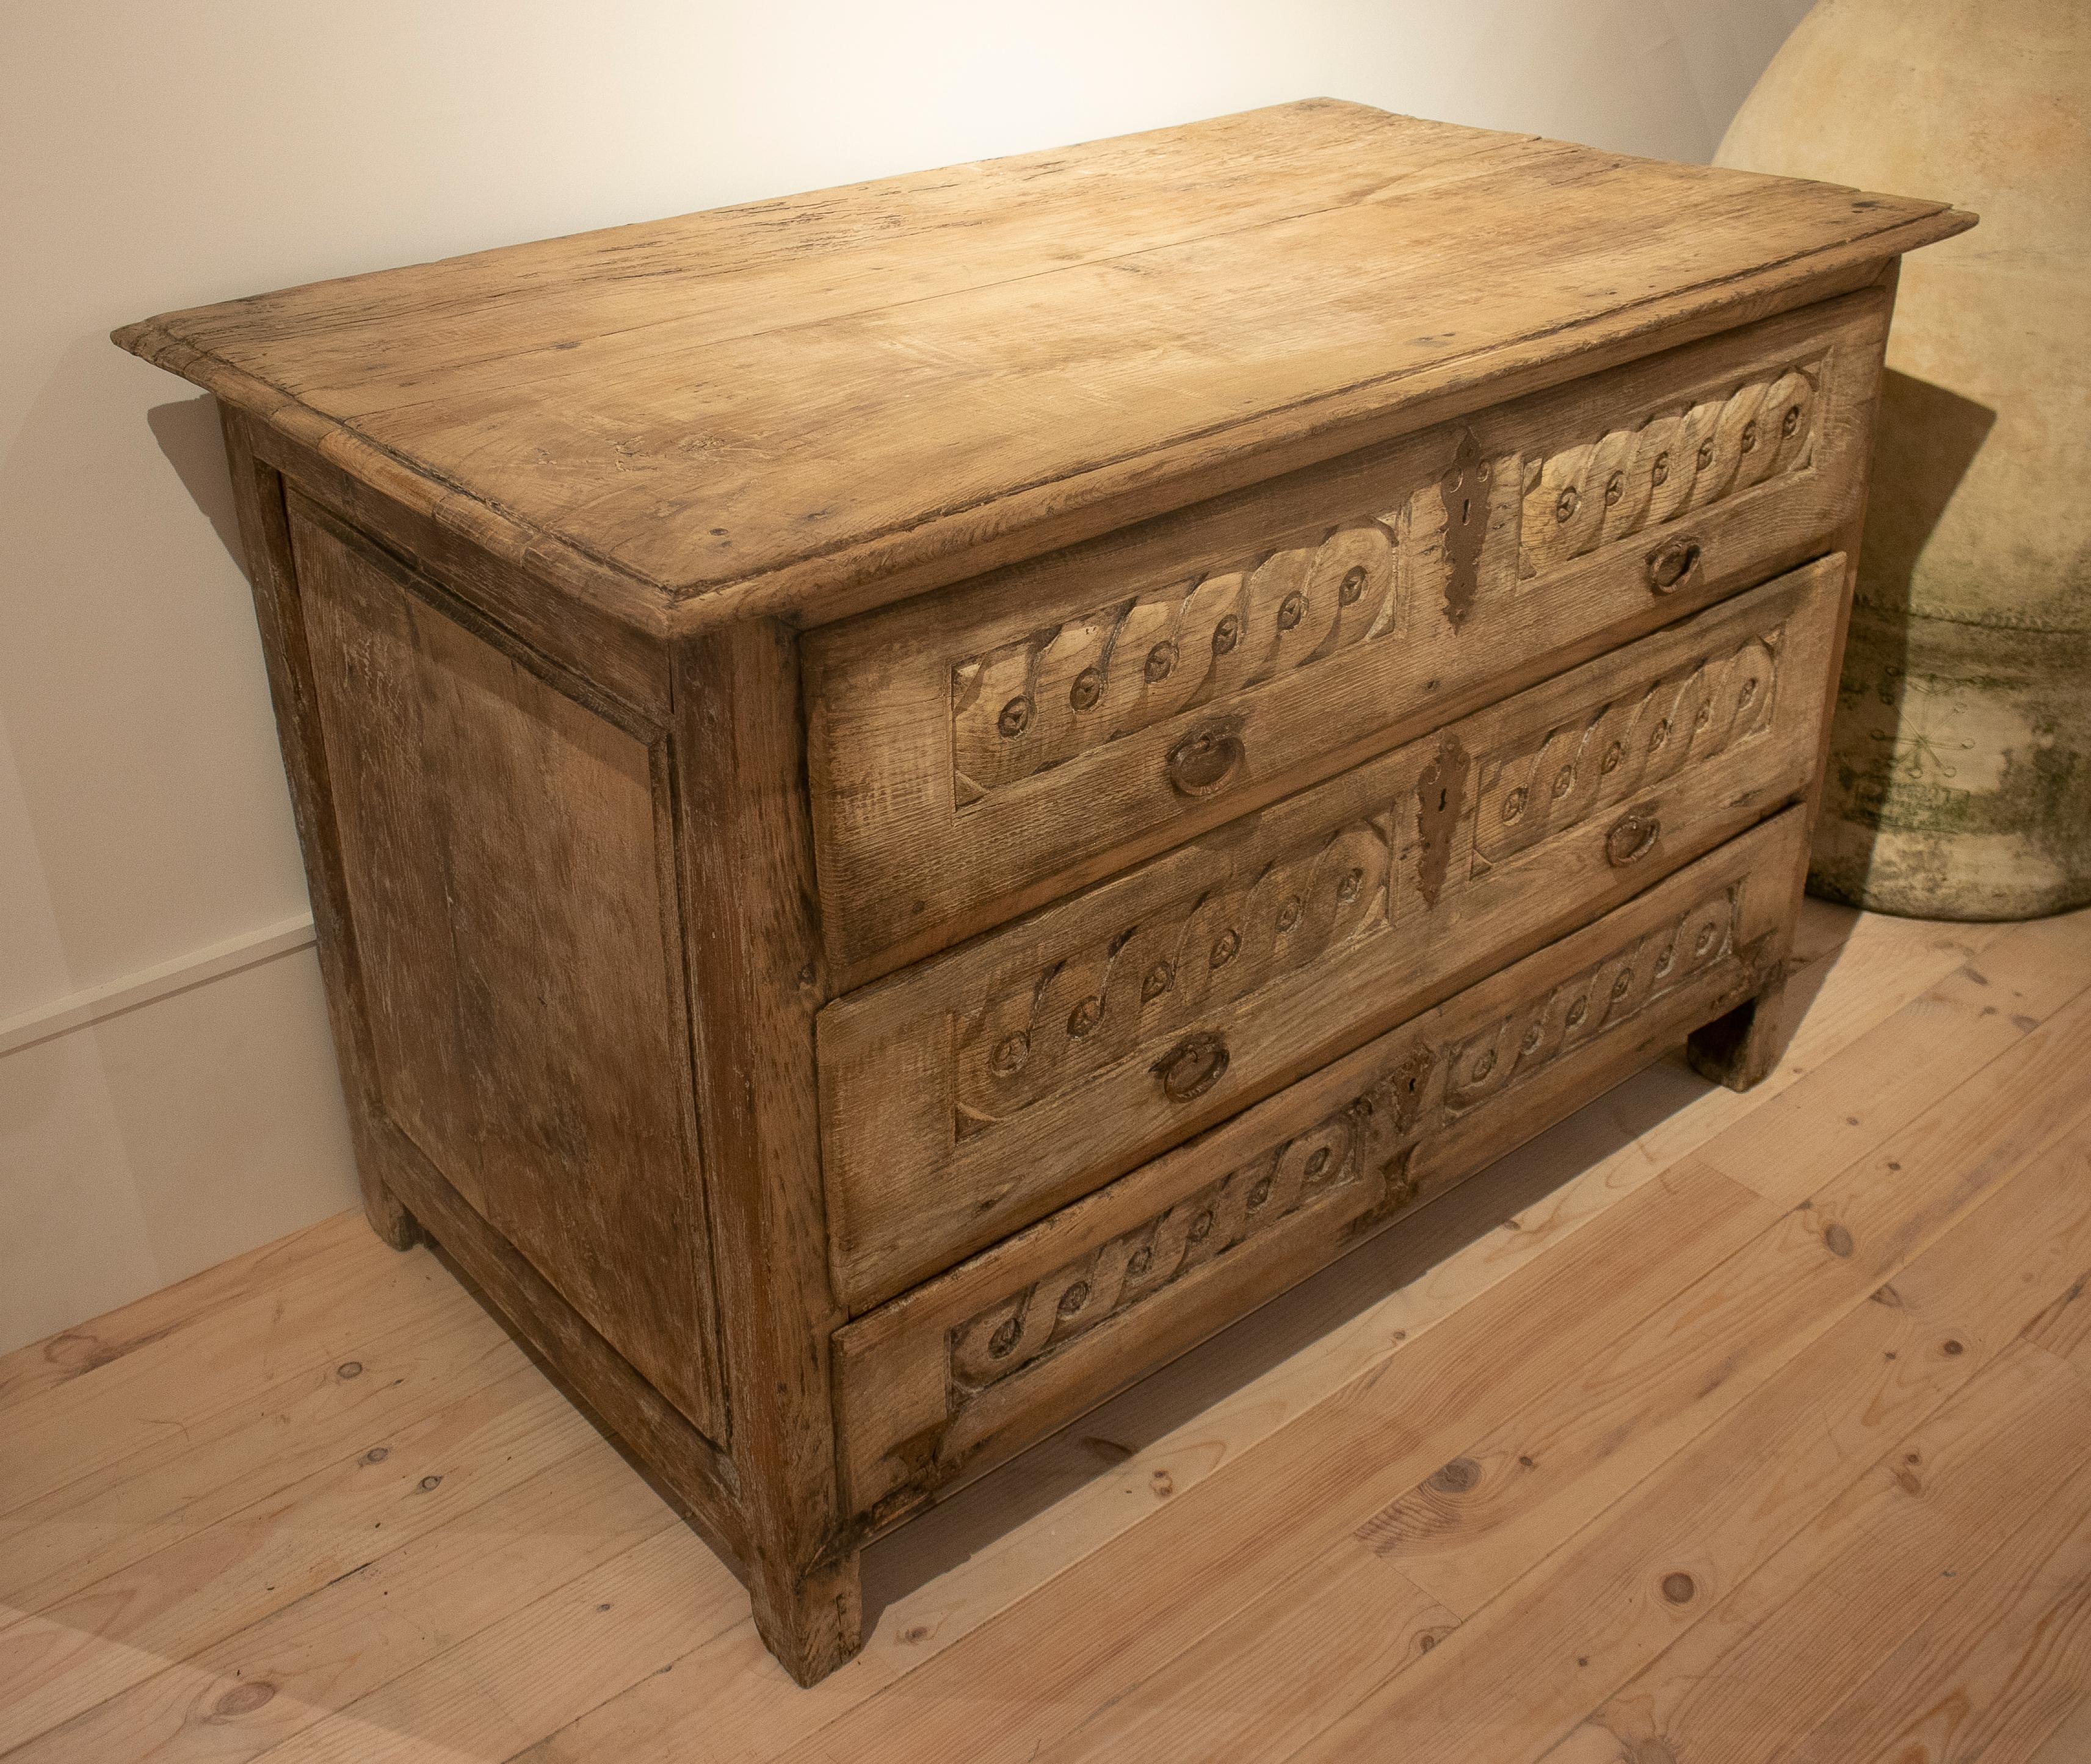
78	1010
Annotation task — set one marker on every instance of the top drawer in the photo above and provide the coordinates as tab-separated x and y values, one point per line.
977	752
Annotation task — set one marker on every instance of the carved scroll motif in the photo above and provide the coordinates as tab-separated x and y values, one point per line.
1032	704
1355	1144
1559	776
1040	1029
1370	1143
1479	1068
1680	460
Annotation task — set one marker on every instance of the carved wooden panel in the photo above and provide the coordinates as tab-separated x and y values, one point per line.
971	1366
974	758
1354	1145
1031	705
1639	739
1424	1090
1630	478
1257	922
979	1089
1040	1028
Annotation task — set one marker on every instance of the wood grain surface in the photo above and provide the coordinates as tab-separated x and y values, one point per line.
509	861
811	404
973	753
966	1368
1706	1387
966	1095
1379	551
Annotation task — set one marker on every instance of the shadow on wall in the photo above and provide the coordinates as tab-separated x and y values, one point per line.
1880	752
143	819
189	435
1927	438
980	1513
148	782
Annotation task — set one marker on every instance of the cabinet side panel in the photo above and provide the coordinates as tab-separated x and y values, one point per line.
502	847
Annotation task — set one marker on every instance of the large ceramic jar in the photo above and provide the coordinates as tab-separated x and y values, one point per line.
1959	779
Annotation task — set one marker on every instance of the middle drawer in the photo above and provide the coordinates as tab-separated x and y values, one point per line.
972	1094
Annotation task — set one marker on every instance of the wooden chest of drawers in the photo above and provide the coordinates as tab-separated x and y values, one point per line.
916	796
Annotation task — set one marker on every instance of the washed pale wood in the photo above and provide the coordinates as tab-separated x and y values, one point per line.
758	406
1441	1725
977	753
493	1701
1097	1480
595	579
523	976
754	980
2013	1456
2067	1742
1862	1394
1166	1717
43	1366
1354	1452
89	1646
623	665
2007	1262
1327	1474
981	1361
326	1649
110	1515
1472	1526
1983	1009
1329	1623
261	504
966	1096
1993	1672
394	1172
66	1431
1080	1492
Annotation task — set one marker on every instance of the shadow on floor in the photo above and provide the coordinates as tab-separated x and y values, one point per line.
979	1514
1096	1444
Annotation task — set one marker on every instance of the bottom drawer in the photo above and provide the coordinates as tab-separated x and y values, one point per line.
970	1367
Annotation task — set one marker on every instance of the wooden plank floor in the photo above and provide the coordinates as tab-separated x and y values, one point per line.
1705	1427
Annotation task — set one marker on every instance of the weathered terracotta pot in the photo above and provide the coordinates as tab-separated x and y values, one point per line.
1959	780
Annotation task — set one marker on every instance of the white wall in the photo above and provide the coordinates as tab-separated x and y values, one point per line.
166	154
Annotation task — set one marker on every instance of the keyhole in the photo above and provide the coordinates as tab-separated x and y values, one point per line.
1466	503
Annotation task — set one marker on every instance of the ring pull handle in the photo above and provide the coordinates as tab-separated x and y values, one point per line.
1204	761
1670	562
1632	838
1192	1067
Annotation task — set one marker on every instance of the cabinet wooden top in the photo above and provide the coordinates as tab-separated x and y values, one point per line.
811	406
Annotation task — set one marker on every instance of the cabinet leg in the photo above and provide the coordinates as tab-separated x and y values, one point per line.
387	1214
813	1625
1740	1048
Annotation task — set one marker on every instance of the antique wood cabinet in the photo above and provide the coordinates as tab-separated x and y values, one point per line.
916	796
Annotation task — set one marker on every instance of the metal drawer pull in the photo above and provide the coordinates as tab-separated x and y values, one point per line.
1670	562
1192	1067
1632	838
1205	760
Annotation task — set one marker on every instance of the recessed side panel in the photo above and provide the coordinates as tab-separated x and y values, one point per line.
504	845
